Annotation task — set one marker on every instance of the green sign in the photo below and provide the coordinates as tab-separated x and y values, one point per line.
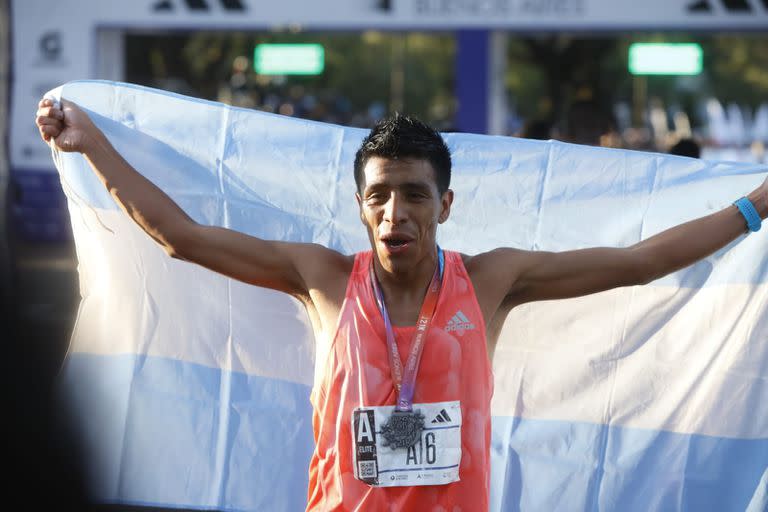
289	59
665	59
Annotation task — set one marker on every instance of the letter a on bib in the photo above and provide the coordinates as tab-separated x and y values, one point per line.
364	431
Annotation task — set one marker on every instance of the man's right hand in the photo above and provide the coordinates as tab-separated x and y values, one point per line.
67	126
314	274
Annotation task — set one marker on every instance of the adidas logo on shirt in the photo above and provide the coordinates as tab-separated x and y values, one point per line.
442	417
459	323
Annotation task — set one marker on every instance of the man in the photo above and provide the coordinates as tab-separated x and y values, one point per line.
392	433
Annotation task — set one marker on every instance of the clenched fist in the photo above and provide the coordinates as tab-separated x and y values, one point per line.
67	126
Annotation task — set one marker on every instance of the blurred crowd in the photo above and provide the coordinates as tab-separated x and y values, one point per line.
735	133
277	95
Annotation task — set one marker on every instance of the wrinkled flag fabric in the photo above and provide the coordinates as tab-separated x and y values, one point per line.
192	389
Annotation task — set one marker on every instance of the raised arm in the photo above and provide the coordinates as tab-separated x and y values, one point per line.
514	276
289	267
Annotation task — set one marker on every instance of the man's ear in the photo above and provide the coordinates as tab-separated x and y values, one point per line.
445	202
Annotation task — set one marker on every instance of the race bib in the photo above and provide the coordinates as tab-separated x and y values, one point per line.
432	460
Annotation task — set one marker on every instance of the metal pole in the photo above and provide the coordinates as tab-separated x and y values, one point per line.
397	74
6	276
497	97
640	99
472	77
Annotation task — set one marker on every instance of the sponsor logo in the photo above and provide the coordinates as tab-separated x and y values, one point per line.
50	49
459	323
50	46
464	7
442	417
729	6
199	5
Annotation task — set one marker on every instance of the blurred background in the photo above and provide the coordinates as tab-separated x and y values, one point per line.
683	76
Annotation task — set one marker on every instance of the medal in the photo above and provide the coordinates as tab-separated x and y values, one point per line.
403	428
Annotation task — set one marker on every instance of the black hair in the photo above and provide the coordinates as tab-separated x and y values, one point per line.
402	136
587	121
537	129
686	147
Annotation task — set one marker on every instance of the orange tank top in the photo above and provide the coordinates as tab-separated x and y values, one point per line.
353	371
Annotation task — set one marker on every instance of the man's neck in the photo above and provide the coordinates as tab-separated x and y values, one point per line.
406	289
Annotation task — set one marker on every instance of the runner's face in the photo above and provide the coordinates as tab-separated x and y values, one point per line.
401	207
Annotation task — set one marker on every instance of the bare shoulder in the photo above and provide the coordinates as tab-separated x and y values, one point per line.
323	269
326	274
493	274
493	263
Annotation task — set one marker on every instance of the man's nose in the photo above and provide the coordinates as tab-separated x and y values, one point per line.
394	209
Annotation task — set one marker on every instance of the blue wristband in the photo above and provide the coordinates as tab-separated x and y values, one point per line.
747	209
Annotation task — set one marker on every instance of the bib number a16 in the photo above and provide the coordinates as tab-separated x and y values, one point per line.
433	459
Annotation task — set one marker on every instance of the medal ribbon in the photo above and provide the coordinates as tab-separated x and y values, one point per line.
406	383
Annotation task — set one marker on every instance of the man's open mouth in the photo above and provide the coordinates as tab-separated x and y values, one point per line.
395	242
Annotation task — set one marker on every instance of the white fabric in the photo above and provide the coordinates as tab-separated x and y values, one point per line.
681	358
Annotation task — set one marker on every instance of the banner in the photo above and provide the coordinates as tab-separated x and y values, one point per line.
66	42
193	389
54	42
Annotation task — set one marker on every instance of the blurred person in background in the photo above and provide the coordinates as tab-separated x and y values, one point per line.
686	147
536	129
587	123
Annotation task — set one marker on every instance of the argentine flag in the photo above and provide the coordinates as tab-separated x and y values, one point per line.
192	389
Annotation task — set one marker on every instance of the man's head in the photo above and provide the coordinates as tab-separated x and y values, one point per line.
403	171
400	136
